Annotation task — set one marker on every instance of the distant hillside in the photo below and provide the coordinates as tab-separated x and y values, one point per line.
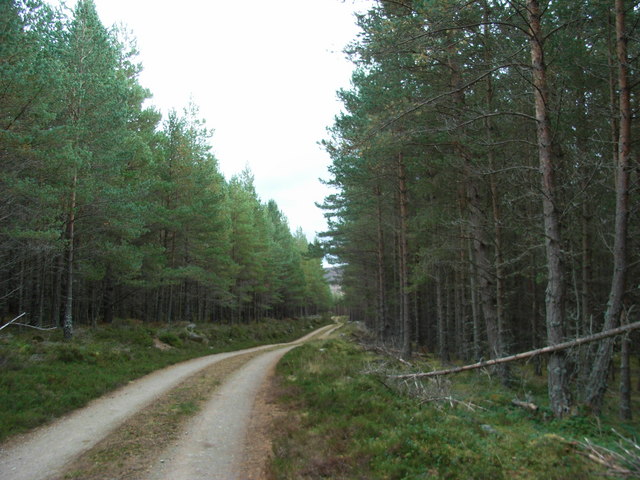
333	275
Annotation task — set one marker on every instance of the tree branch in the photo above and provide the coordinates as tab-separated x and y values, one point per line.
529	354
433	99
17	318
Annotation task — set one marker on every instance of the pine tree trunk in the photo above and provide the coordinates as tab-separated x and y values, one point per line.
41	297
475	316
381	326
613	100
416	319
108	297
495	200
625	379
158	304
586	270
67	325
598	379
457	312
498	260
537	361
448	313
585	355
57	291
404	275
21	287
485	272
478	222
442	324
557	379
35	319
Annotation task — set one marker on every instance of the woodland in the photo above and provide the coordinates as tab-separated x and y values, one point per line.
108	210
486	184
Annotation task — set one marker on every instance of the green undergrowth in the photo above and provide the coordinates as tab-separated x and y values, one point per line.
348	420
43	377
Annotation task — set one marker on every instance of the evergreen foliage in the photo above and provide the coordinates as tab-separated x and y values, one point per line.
507	122
109	211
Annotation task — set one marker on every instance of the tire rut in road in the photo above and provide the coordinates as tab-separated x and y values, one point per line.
213	444
42	453
128	452
45	452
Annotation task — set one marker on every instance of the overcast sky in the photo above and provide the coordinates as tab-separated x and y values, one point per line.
264	75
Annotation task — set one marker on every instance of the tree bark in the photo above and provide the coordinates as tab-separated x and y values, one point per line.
108	297
597	385
557	379
57	291
404	274
537	365
495	199
475	316
67	325
586	270
625	379
478	216
485	271
458	307
381	326
443	351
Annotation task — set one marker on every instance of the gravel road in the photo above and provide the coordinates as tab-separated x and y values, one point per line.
212	445
43	453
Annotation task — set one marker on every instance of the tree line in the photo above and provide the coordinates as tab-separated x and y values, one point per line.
109	210
486	181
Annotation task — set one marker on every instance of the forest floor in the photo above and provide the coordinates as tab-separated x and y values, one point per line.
186	421
348	417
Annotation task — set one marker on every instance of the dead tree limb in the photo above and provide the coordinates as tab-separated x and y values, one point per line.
35	327
529	354
17	318
532	407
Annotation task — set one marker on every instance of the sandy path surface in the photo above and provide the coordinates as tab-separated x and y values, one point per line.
43	453
212	444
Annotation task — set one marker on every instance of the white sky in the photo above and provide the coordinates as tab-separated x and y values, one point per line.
264	75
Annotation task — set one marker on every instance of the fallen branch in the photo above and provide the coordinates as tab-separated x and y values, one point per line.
532	407
45	329
17	318
626	465
469	405
532	353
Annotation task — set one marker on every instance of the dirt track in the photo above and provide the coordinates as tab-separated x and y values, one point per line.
211	445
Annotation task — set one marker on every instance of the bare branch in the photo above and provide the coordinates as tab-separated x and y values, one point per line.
532	353
434	99
17	318
496	114
44	329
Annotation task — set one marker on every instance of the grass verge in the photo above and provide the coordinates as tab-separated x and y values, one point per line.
346	421
43	377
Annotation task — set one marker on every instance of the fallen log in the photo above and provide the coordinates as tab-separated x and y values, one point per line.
17	318
532	407
532	353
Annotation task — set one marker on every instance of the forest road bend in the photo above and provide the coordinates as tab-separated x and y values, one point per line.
212	444
325	334
43	452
